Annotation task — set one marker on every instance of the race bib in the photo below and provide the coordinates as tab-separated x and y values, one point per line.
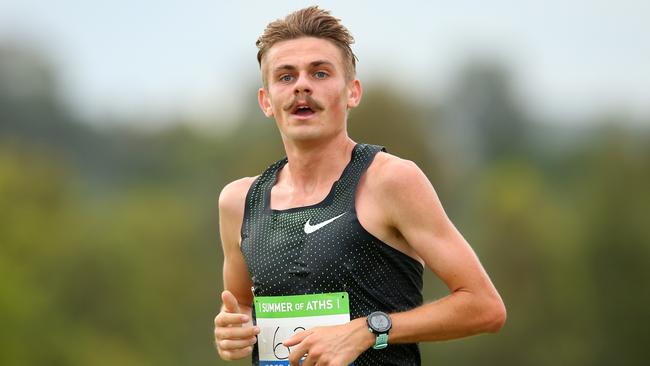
280	317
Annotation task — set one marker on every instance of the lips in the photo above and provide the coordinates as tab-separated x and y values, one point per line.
303	111
303	108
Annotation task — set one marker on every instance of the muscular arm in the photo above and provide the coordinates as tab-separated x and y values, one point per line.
231	214
412	208
234	333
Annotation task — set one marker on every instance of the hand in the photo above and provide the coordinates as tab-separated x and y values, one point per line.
337	345
234	334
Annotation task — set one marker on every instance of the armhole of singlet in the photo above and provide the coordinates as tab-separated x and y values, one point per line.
243	232
361	173
395	251
258	184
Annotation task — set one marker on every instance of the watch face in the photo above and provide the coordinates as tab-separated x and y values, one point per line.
380	322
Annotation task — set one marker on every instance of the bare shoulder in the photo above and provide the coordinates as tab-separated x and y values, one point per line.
232	198
401	190
389	173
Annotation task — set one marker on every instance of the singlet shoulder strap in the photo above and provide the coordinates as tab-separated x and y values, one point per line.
346	188
363	157
256	198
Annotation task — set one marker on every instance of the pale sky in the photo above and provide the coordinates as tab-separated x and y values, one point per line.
570	59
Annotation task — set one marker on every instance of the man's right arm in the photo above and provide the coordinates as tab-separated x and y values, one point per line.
233	329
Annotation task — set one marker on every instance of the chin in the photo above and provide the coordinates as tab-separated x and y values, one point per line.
305	136
304	133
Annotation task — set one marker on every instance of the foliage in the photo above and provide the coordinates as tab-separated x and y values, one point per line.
109	250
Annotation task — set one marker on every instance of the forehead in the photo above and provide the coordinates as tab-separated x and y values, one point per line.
302	51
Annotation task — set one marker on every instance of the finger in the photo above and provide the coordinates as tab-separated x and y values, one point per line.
230	303
235	332
308	361
235	354
316	356
296	338
297	353
235	344
224	319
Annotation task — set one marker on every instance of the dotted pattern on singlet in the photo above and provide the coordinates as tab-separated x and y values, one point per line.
340	256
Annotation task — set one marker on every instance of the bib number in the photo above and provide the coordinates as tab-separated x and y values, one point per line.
280	317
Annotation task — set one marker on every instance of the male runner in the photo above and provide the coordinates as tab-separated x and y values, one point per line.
338	217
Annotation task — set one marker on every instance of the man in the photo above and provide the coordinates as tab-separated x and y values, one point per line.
337	218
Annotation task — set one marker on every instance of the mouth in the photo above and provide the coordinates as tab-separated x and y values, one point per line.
303	107
303	111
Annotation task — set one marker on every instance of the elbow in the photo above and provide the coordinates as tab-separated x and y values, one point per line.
495	316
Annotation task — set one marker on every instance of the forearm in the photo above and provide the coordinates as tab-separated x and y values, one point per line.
457	315
460	314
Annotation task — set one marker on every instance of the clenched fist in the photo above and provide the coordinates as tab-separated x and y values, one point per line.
234	333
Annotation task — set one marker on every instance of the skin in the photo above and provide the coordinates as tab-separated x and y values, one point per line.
395	202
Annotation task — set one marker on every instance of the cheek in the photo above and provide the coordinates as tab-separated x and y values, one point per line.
276	104
341	100
275	99
336	96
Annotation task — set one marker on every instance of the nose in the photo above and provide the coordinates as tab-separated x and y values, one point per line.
302	85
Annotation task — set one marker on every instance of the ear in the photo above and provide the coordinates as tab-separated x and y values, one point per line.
265	102
354	93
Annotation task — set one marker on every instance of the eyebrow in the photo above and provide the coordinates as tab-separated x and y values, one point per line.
312	64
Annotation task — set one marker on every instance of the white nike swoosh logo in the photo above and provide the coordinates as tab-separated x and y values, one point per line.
311	228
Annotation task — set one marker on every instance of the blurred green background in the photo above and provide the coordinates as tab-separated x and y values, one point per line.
109	243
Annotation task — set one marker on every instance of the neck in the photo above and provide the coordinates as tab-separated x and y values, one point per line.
316	164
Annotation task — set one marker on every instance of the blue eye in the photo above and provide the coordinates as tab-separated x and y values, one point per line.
320	75
286	78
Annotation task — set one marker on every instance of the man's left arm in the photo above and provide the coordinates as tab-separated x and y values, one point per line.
473	305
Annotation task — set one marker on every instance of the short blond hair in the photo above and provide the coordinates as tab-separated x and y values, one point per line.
310	22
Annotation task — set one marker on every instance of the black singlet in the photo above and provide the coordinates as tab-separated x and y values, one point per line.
342	256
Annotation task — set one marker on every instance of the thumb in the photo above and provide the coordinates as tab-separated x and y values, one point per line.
230	304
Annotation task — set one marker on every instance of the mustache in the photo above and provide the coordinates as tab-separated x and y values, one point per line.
311	102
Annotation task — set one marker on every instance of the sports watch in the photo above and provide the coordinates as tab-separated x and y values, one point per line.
379	323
